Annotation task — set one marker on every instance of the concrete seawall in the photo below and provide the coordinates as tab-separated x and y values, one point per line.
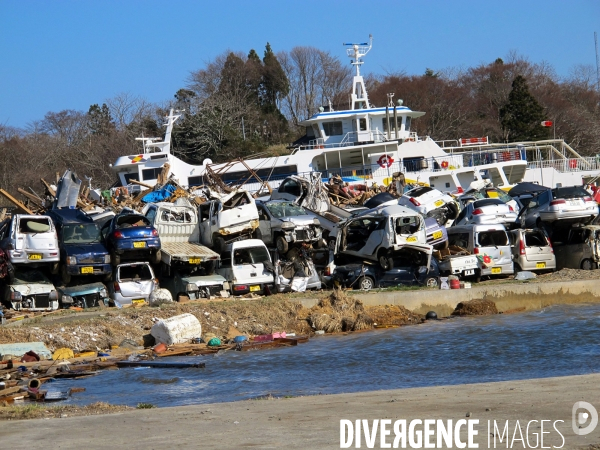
506	296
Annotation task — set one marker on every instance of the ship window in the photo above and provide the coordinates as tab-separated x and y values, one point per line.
407	124
195	181
392	124
131	176
362	125
333	128
151	174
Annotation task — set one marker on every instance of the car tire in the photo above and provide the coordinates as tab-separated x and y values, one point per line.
115	259
453	210
386	261
55	268
282	245
156	257
10	272
365	283
587	264
431	282
219	244
65	277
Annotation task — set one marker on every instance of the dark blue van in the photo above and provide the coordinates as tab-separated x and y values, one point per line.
81	250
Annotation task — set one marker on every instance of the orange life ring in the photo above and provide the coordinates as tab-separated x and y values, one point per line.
444	164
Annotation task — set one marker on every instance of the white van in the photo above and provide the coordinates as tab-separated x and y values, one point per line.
489	242
247	267
30	240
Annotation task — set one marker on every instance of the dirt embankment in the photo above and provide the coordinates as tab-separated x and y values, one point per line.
335	312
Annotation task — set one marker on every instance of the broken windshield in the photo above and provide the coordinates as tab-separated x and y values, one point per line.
285	209
81	234
250	255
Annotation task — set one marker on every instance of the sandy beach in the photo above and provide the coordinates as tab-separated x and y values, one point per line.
314	422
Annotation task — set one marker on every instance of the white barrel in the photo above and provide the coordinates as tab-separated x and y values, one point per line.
176	329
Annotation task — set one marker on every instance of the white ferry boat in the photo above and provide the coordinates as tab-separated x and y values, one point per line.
367	144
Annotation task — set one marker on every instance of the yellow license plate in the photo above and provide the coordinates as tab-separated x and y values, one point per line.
540	265
34	256
411	239
439	203
496	270
195	260
87	270
437	235
138	301
139	244
254	288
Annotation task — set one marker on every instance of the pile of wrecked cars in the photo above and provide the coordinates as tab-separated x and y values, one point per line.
219	240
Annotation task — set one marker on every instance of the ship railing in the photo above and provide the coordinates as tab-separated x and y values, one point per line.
567	164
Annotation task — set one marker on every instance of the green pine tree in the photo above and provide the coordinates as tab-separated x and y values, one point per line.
522	115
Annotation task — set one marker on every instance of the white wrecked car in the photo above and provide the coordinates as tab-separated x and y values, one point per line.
30	290
376	235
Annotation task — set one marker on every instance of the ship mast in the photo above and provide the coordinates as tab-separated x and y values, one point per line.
150	144
359	97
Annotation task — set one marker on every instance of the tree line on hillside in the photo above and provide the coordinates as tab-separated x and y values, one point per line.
241	105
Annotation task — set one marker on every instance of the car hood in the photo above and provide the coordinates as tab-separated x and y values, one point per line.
84	289
83	249
299	220
32	288
205	280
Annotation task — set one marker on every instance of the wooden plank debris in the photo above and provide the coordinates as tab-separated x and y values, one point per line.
20	206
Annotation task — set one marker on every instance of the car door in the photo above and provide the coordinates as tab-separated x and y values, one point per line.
264	224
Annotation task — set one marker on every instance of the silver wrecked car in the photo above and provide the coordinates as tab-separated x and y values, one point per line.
282	222
132	284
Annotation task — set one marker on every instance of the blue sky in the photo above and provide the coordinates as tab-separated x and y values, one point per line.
70	54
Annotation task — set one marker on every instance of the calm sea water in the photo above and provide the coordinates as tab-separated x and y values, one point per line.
556	341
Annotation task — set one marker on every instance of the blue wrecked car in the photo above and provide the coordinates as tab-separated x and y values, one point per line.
81	250
85	296
130	236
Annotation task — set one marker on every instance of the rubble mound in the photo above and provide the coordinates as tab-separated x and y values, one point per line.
475	308
340	312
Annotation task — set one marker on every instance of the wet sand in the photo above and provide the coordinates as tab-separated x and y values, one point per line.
314	422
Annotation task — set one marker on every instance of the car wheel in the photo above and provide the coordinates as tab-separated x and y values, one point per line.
156	257
115	259
219	244
587	264
55	268
365	283
282	245
431	282
452	210
385	261
65	276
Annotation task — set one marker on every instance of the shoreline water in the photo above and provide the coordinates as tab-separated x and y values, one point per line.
314	421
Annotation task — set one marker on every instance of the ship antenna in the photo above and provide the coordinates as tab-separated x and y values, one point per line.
360	99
